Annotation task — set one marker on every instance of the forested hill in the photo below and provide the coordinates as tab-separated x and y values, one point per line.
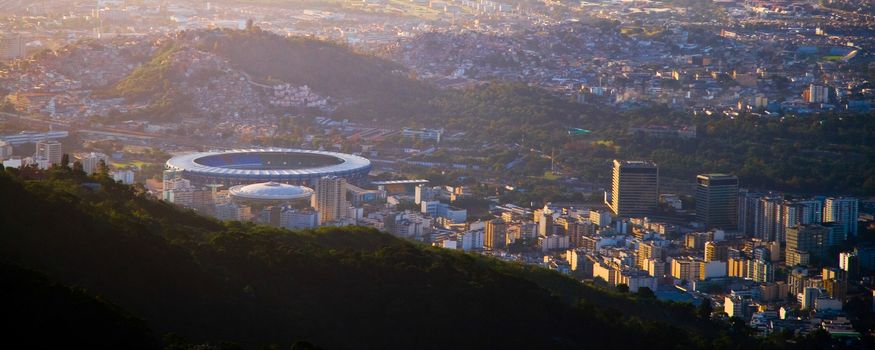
328	68
340	288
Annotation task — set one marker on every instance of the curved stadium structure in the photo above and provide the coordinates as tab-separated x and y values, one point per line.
282	165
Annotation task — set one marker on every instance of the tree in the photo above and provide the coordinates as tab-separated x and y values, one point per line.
77	167
705	309
303	345
623	288
646	293
102	168
65	161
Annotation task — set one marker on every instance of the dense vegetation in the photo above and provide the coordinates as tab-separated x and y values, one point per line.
816	154
338	288
152	78
155	82
328	68
510	113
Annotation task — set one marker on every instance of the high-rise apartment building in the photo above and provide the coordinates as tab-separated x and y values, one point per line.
805	242
648	251
495	233
818	94
686	268
716	251
635	188
330	198
748	209
49	150
802	212
843	211
777	214
768	225
716	201
91	161
849	262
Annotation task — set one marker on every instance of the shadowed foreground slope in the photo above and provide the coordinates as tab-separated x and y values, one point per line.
338	288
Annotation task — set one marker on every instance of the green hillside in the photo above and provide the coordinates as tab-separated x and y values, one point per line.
328	68
338	288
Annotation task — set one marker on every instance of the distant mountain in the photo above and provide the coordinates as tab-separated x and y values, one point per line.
335	287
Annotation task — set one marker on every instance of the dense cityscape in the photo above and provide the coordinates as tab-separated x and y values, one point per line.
709	159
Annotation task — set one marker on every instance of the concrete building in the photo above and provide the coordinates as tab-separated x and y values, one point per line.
712	269
686	268
495	234
49	150
655	267
818	94
636	279
716	201
802	212
602	218
26	137
125	176
12	46
233	212
837	234
330	199
762	271
197	199
770	292
716	251
91	161
777	214
577	259
604	271
843	211
748	208
805	240
553	242
756	270
827	304
5	150
471	240
849	262
635	188
423	193
442	210
648	251
735	307
545	219
808	296
423	134
768	220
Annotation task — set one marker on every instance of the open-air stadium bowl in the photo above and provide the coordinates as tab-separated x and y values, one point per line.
281	165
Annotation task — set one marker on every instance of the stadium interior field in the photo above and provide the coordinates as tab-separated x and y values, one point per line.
268	161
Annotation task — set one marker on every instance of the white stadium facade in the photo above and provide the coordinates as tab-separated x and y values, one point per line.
280	165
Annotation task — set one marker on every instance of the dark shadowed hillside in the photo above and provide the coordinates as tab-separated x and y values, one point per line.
338	288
